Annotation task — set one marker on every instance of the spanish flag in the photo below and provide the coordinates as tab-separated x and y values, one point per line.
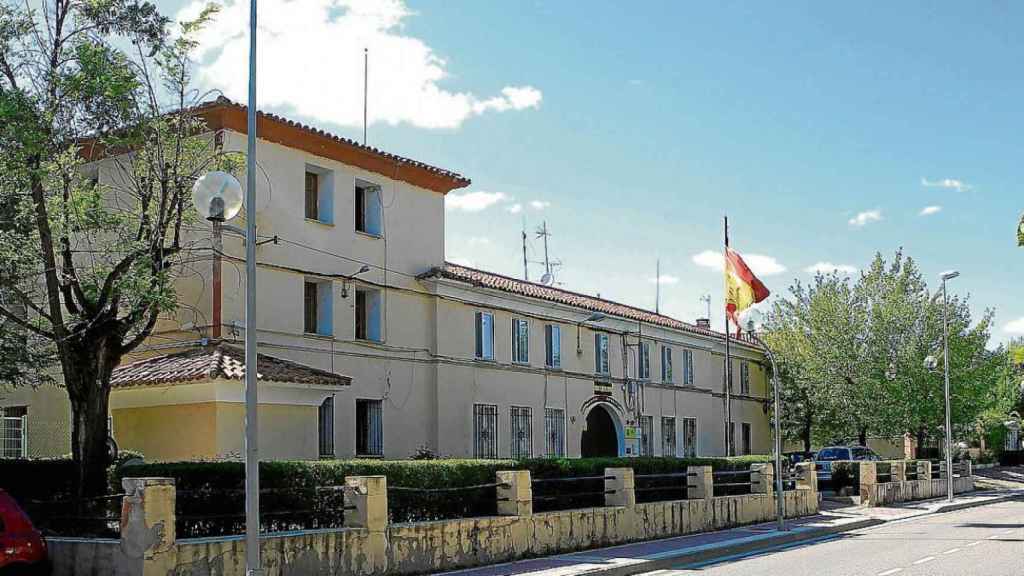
742	288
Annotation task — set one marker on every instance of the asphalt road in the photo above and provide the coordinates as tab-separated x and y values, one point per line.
984	541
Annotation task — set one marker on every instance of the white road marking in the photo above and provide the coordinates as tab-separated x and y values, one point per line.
975	543
1010	531
951	551
923	560
890	572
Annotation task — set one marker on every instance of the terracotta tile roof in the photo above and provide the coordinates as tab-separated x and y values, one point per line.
567	297
291	133
217	361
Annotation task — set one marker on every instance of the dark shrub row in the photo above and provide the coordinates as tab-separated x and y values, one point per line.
302	495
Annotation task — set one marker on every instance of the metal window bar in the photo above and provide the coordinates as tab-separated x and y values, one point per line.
554	432
521	419
646	435
668	436
689	437
485	431
370	428
12	434
325	427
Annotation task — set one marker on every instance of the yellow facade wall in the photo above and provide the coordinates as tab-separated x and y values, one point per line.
168	433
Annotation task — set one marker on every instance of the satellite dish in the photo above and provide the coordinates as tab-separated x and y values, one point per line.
546	279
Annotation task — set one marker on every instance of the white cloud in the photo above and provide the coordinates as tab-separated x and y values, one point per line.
929	210
473	201
311	61
761	265
539	204
864	218
827	267
665	279
515	209
1014	326
948	183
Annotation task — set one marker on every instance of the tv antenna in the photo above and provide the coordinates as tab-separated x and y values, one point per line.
706	298
548	277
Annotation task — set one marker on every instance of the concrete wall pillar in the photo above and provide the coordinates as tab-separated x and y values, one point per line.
367	496
899	471
147	524
806	476
762	478
699	482
619	487
515	493
924	470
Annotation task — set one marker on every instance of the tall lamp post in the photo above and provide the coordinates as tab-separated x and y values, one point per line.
930	363
218	197
780	507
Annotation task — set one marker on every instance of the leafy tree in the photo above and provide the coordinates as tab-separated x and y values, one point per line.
89	250
852	356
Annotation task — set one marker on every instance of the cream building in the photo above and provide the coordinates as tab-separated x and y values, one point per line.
373	346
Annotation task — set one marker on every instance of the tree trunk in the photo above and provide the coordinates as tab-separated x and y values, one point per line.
862	437
87	367
806	435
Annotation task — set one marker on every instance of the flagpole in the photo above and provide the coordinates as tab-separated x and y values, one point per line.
727	373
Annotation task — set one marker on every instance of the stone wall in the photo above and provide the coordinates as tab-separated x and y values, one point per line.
899	489
369	545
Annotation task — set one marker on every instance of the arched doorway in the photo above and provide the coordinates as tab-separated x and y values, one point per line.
601	436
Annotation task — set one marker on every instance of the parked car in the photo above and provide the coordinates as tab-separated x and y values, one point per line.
22	548
826	456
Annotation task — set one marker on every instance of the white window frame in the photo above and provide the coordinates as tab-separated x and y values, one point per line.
602	365
483	325
21	441
666	365
324	306
643	360
324	194
373	299
520	349
687	367
372	207
691	451
553	346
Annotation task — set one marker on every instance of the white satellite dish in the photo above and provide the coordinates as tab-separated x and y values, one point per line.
546	279
217	196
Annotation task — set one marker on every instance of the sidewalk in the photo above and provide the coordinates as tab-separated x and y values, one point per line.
641	557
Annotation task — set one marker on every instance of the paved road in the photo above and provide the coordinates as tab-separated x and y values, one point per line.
984	541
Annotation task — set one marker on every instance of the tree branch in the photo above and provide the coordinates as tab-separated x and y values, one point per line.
4	312
144	333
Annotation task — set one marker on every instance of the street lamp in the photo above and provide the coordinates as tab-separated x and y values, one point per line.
780	508
948	275
594	317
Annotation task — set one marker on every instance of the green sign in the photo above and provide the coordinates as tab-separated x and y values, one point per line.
632	433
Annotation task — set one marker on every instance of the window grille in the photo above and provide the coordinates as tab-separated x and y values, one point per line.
485	431
668	436
689	437
325	427
646	435
13	440
554	432
369	428
522	431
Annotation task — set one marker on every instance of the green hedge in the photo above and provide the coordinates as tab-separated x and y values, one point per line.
211	494
293	496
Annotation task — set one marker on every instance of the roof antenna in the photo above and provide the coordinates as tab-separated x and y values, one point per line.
657	287
526	270
366	88
547	279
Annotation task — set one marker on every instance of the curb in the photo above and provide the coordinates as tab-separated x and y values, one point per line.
976	504
693	556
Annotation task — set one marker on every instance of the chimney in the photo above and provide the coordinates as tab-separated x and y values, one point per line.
704	323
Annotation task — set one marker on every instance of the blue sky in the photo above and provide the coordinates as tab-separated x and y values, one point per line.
823	130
